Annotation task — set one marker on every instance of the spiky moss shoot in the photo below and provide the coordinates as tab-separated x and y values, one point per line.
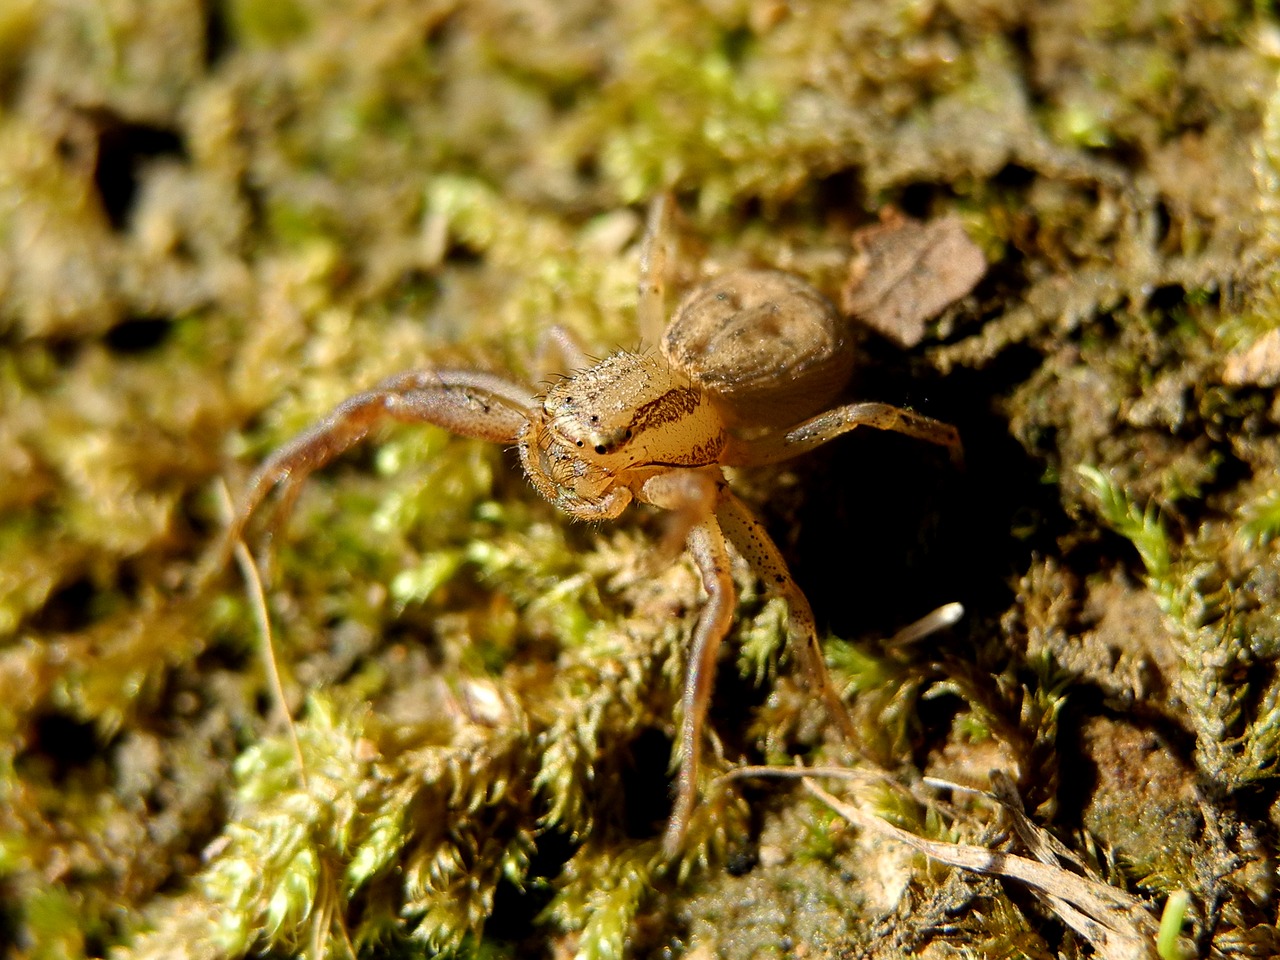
425	830
1215	642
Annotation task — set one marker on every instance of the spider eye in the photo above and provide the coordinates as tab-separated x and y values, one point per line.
600	448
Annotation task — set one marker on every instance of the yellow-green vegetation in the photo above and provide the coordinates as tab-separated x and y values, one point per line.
219	218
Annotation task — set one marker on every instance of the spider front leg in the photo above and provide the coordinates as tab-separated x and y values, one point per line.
470	404
749	537
706	508
825	427
707	545
692	496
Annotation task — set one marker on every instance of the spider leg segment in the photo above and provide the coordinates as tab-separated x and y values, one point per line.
825	427
710	513
749	538
691	495
467	403
560	353
707	544
650	310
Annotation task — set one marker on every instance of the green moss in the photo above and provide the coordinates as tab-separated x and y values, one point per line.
486	691
255	22
603	905
1196	591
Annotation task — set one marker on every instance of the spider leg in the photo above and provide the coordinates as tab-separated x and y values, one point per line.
825	427
650	310
468	403
708	512
749	538
560	354
692	496
707	545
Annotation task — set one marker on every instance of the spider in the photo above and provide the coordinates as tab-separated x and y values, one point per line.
747	363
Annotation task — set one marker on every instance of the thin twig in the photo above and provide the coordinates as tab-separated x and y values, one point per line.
258	600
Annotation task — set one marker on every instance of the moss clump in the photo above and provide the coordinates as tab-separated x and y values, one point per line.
217	220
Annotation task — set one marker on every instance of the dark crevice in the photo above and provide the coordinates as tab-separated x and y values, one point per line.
217	33
138	335
123	148
890	528
514	919
67	610
62	745
645	785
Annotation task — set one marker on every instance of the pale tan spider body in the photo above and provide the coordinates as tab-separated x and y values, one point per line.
611	426
767	347
746	360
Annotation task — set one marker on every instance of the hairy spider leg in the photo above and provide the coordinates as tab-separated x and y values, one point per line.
709	512
692	496
825	427
707	545
467	403
651	319
749	538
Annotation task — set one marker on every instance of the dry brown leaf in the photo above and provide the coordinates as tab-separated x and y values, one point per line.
904	272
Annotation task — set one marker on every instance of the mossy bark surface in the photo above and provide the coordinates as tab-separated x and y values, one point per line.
218	219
